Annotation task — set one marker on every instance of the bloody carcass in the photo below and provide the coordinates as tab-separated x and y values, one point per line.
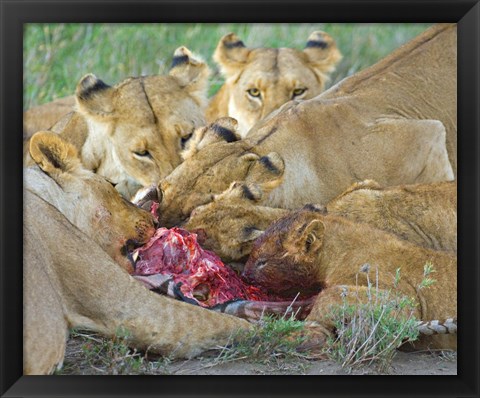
174	263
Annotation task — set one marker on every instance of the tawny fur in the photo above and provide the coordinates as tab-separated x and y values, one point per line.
394	122
229	163
70	279
423	214
133	133
308	252
44	117
277	75
232	221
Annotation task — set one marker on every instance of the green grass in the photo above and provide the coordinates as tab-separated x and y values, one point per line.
272	337
269	342
369	331
56	56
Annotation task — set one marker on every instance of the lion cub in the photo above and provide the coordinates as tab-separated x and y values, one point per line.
230	224
132	133
260	80
423	214
310	253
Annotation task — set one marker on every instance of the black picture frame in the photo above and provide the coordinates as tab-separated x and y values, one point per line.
15	13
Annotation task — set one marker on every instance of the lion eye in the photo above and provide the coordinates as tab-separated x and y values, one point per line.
260	264
254	92
298	91
184	140
143	154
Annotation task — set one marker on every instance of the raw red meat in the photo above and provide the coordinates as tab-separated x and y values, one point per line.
154	210
200	273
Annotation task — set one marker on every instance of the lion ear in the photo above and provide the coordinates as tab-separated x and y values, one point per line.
250	234
316	208
93	96
191	72
241	191
53	154
312	235
267	172
221	130
322	52
231	54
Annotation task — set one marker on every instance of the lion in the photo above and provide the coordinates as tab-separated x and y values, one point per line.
232	221
43	117
132	133
260	80
422	214
76	224
205	170
394	122
307	252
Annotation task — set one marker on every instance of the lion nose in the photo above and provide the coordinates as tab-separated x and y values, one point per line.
247	274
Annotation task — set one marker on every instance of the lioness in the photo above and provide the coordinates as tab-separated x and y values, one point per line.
394	122
43	117
260	80
73	218
308	252
423	214
132	133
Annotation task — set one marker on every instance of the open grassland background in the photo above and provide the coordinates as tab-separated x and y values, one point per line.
56	56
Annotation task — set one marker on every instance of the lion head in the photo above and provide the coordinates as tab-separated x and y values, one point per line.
260	80
233	220
216	160
137	129
284	259
86	199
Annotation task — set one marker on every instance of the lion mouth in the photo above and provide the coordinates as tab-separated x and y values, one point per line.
128	249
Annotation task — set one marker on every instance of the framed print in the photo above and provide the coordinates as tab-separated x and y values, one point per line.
274	146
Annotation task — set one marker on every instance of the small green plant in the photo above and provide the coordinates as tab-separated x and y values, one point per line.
370	330
271	339
427	281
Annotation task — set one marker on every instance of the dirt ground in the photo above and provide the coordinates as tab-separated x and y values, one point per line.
78	361
403	364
